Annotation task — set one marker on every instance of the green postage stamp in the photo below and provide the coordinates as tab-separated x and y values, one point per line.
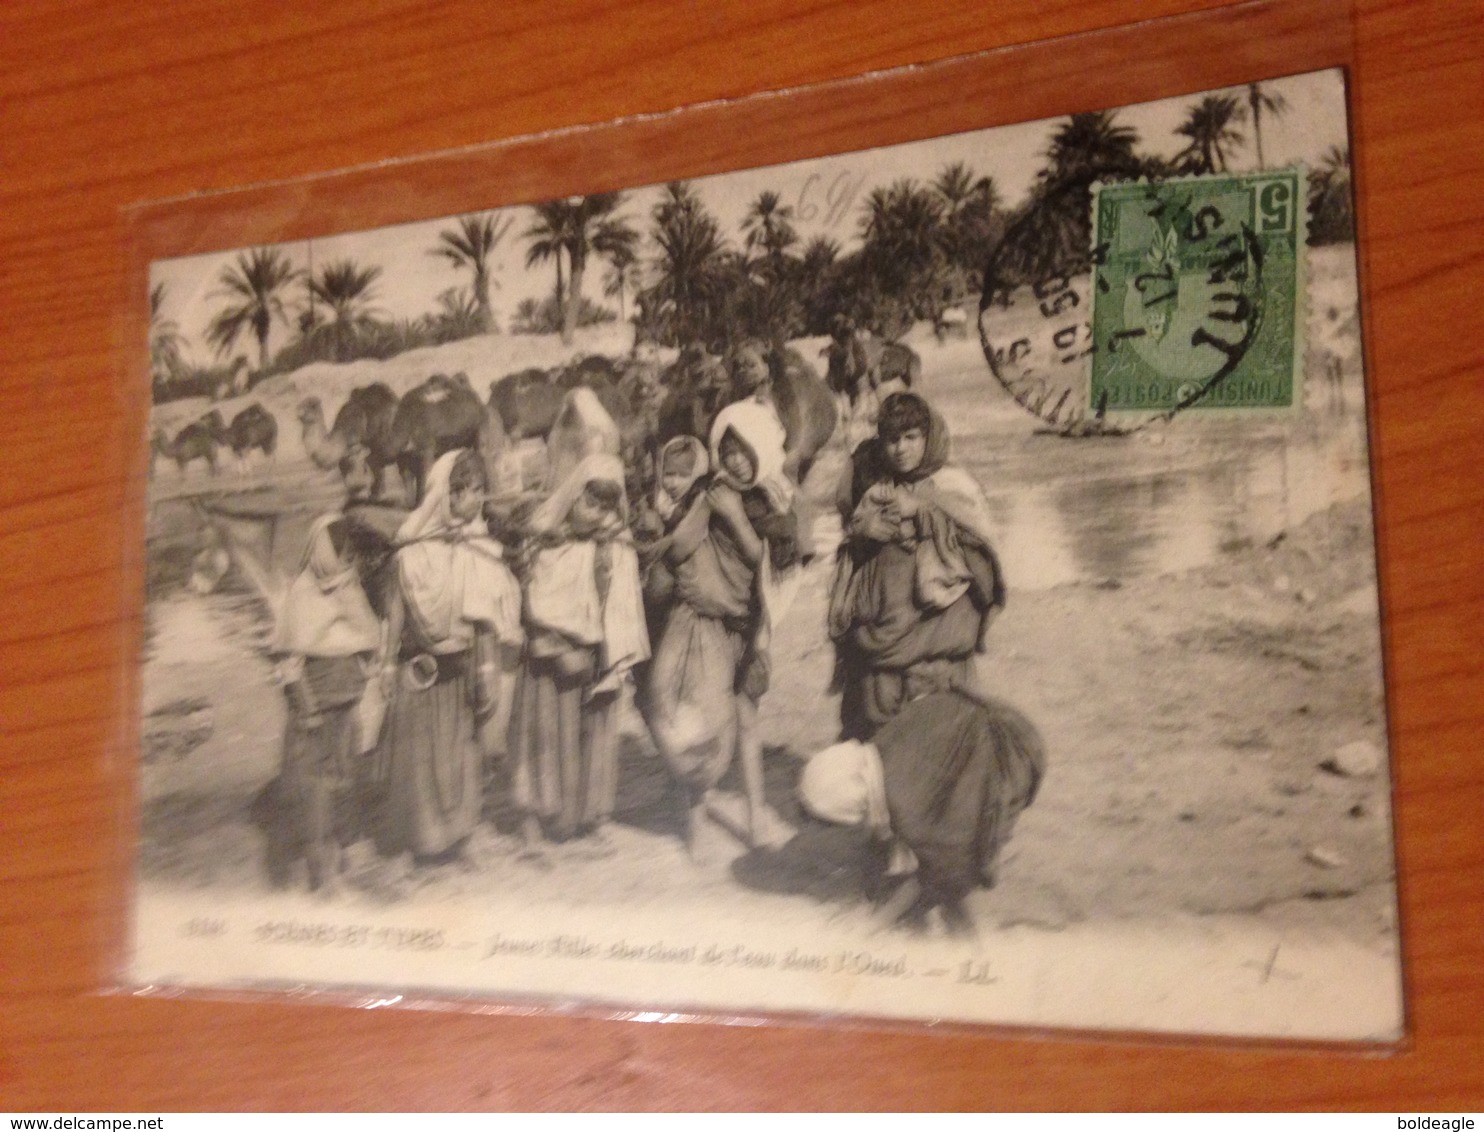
1197	293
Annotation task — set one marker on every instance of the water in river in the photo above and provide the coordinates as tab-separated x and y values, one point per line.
1067	510
1125	507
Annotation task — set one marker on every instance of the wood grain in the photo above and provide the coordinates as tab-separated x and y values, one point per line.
103	104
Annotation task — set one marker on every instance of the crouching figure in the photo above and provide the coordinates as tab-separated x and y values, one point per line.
939	787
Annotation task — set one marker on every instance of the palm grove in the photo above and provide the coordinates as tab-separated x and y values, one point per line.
921	247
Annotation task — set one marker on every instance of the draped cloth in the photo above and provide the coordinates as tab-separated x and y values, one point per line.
908	591
958	771
585	619
665	504
455	589
945	779
716	641
588	589
325	612
583	427
452	574
757	426
844	784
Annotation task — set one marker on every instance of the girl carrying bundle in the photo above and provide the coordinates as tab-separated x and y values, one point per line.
454	639
584	620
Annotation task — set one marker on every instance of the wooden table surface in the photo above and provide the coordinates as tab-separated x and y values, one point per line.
107	102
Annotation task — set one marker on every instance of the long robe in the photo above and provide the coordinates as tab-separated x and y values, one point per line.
455	590
715	644
584	616
325	633
912	594
958	770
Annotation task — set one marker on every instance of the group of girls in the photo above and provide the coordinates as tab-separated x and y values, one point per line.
519	654
483	652
935	770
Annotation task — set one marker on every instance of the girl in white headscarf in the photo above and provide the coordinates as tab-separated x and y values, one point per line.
712	665
454	634
584	619
325	636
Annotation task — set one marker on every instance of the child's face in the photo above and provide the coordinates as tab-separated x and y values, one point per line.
674	482
466	502
588	512
736	459
907	450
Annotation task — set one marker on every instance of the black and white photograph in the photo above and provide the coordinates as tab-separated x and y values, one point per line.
934	583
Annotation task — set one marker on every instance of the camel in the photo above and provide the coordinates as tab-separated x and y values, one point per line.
364	420
804	405
698	387
701	385
441	414
254	427
198	440
528	402
858	363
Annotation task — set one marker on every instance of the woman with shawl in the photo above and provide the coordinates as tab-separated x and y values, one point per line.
917	581
584	617
728	555
454	634
326	636
939	787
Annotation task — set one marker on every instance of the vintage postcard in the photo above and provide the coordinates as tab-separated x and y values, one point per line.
933	583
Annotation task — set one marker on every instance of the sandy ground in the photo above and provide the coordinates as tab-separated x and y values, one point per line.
1216	736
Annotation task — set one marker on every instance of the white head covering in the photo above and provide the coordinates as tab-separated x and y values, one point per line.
598	467
700	465
561	588
757	426
452	573
583	428
325	612
843	784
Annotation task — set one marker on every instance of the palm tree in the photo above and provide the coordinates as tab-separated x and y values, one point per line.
955	184
165	340
549	237
690	270
1331	210
970	204
1090	143
899	226
1050	234
471	245
1259	100
1211	127
578	226
623	275
901	255
593	228
255	284
346	289
458	316
768	227
617	242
